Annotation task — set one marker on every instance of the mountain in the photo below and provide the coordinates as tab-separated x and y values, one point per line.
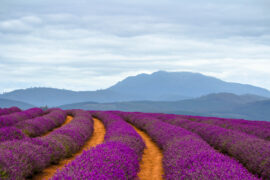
5	103
163	85
218	102
55	97
221	105
158	86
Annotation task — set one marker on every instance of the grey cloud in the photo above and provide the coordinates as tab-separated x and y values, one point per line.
47	43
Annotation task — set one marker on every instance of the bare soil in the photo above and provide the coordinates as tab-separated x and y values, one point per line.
151	163
96	138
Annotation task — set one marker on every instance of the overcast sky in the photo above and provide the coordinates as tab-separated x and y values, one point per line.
89	45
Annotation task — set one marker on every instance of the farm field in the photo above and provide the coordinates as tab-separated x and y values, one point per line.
77	144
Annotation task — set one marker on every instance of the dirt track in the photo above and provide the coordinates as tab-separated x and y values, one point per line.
68	119
96	138
151	163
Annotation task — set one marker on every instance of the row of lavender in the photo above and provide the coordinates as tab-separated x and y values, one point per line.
7	131
251	151
6	111
20	159
260	129
38	126
186	155
30	123
117	158
13	118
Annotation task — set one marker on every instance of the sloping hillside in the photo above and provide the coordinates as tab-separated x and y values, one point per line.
5	103
221	105
163	85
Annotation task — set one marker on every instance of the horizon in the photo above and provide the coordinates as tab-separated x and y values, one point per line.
85	45
120	81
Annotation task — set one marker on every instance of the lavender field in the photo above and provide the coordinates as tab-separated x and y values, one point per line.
77	144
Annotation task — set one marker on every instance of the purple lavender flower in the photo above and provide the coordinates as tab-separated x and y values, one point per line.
40	125
10	110
186	155
117	158
11	119
22	158
11	133
249	150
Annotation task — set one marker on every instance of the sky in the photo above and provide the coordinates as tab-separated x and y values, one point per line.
90	45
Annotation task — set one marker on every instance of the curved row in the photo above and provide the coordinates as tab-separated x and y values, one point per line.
252	152
11	133
22	158
10	110
186	155
257	129
117	158
96	138
11	119
264	124
40	125
33	127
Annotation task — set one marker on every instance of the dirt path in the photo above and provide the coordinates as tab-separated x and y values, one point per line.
68	119
151	163
96	138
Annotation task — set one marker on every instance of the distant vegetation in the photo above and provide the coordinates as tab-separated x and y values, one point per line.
6	103
222	105
78	144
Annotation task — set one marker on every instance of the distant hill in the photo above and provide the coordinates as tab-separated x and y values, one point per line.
158	86
163	85
5	103
55	97
217	102
221	105
257	110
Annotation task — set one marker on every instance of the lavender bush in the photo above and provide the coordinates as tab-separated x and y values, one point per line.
186	155
117	158
249	127
22	158
40	125
11	133
33	127
10	110
252	152
185	141
11	119
259	129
